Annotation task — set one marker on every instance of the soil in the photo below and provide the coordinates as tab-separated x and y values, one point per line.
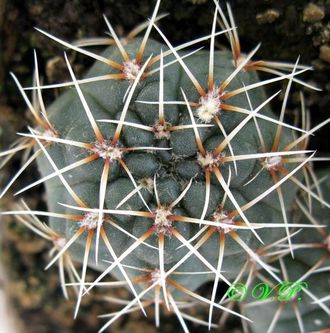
285	28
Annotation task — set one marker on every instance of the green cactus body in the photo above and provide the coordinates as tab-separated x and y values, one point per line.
172	168
167	169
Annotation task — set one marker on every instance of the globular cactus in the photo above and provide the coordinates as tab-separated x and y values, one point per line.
167	170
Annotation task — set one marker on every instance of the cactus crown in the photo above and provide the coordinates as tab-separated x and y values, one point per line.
168	169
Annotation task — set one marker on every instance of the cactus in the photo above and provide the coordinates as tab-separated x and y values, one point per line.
306	311
168	169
